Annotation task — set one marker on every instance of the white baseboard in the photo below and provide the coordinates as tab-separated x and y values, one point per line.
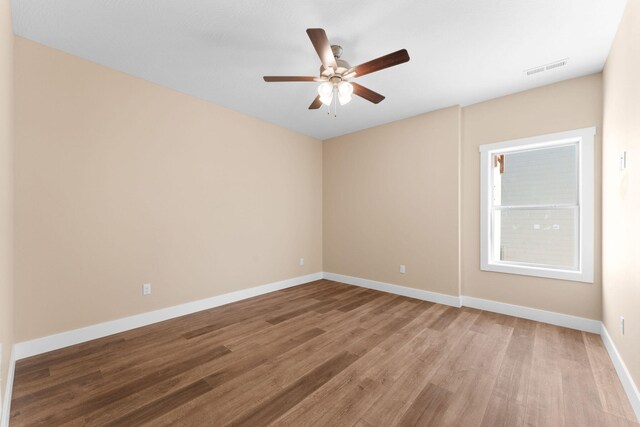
8	389
395	289
76	336
551	317
559	319
623	373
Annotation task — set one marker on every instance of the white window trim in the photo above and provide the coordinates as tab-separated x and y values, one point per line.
586	179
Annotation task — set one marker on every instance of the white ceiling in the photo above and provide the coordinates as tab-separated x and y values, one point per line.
462	51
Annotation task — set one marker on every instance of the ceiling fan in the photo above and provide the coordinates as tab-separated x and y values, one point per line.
335	72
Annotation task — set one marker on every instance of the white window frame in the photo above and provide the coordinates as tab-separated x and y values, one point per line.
585	139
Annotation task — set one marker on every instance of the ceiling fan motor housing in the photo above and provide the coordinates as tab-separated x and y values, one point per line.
343	66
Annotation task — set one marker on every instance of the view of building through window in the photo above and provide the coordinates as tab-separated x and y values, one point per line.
536	212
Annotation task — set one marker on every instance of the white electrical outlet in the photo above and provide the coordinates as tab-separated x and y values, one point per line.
622	324
402	269
301	261
146	289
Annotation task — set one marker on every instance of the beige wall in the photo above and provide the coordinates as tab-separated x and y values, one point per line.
6	188
621	190
121	182
571	104
391	198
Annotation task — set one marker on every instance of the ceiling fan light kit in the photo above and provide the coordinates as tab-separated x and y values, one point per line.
327	91
335	72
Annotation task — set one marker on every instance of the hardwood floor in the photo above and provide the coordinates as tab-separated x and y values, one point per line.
327	354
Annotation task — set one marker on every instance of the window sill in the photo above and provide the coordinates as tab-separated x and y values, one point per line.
549	273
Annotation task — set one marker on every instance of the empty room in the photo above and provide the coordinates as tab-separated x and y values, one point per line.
256	213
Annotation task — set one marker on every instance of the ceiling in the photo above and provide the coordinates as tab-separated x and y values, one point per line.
462	51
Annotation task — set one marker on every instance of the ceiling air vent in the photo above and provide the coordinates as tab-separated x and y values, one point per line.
546	67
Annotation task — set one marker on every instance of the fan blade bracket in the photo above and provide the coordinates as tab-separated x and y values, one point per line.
327	72
349	75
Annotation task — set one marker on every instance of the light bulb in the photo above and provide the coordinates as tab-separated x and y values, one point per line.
325	89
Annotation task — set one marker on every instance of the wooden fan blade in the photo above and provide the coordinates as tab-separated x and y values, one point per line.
366	93
381	63
289	79
316	103
323	48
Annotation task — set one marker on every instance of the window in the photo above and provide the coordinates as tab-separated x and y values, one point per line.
537	206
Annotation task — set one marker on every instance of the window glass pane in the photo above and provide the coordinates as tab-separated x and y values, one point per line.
545	176
537	236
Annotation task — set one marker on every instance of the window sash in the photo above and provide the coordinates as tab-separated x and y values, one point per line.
496	176
584	237
495	237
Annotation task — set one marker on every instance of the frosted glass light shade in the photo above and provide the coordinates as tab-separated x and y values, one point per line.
345	90
344	99
326	100
325	89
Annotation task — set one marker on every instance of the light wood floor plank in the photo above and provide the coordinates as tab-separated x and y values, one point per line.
545	399
508	401
612	396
